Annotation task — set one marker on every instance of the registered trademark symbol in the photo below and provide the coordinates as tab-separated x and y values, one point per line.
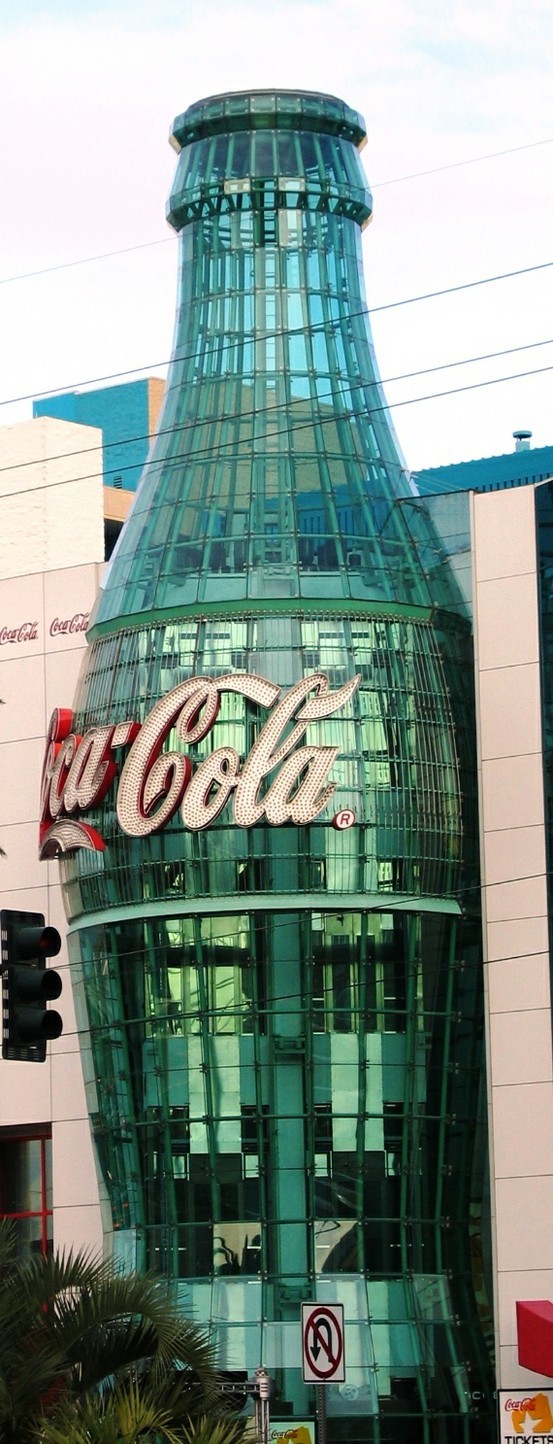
344	818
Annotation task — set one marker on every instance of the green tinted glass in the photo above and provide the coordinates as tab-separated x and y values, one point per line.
285	1021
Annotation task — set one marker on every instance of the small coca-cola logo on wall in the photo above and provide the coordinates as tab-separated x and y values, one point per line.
64	625
27	632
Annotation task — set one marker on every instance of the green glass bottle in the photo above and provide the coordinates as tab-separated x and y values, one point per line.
285	1015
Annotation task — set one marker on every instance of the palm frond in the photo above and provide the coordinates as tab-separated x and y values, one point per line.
208	1430
79	1339
132	1414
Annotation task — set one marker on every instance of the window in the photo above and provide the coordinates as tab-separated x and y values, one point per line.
111	533
26	1186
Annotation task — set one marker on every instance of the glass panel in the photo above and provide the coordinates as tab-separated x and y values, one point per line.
21	1176
26	1188
288	1052
28	1234
237	1248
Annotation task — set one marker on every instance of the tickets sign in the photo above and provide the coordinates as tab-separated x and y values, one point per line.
283	1431
526	1416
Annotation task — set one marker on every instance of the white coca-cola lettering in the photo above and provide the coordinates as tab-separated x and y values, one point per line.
265	755
60	727
27	632
67	836
152	779
59	775
93	768
285	802
201	805
77	623
78	771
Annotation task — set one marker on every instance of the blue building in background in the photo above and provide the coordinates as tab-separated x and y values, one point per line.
127	415
520	467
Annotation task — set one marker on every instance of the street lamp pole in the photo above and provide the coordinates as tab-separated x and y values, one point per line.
263	1391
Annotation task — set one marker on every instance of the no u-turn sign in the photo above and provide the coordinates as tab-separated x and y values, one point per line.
322	1331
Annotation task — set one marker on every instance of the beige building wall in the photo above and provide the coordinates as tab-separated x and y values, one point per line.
51	512
516	941
51	496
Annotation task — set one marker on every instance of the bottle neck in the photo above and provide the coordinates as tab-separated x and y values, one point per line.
275	474
273	303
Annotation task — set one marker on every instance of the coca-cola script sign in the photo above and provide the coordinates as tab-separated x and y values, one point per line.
67	626
26	632
152	785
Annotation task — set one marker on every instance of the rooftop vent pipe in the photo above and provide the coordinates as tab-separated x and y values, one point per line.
522	440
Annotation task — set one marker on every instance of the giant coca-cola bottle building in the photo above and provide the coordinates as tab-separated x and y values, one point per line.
270	865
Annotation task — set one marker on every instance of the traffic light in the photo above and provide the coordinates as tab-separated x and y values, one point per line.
28	985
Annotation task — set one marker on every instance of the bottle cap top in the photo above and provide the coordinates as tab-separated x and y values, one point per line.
268	110
268	151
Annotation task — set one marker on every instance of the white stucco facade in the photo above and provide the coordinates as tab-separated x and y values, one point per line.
52	529
515	909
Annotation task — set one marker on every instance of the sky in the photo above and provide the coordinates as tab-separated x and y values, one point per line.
88	266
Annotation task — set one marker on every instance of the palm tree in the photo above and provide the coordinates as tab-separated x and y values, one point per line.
129	1416
99	1356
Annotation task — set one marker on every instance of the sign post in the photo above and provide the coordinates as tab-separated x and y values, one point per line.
323	1355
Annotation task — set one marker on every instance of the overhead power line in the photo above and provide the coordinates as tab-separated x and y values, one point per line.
464	286
293	331
220	448
467	361
307	1001
86	260
375	185
456	164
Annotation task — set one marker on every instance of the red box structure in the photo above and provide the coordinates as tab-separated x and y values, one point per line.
535	1335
